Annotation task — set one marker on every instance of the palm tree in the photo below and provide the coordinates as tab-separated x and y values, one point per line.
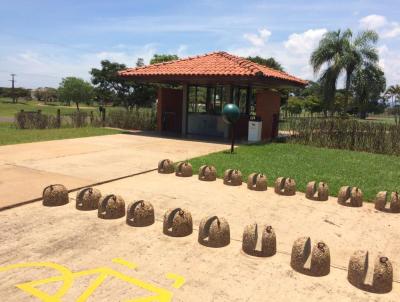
393	92
339	52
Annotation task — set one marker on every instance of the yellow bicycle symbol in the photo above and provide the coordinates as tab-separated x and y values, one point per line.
158	294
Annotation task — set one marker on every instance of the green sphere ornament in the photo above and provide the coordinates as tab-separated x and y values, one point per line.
230	113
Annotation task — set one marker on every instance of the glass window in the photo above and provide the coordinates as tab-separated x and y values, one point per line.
240	98
192	99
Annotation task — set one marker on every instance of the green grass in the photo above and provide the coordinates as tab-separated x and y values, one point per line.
371	172
9	109
11	135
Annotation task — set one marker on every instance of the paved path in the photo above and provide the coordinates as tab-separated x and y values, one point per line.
80	241
25	169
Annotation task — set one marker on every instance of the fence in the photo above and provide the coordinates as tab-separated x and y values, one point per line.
347	134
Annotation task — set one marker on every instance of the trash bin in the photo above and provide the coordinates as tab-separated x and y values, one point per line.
255	128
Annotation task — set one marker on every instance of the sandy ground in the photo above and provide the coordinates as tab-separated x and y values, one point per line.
80	241
83	161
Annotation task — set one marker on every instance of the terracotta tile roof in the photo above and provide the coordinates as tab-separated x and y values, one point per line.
212	64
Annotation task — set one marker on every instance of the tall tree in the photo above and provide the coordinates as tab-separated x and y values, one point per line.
340	52
270	62
75	90
368	85
160	58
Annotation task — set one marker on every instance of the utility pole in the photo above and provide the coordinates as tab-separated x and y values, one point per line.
13	86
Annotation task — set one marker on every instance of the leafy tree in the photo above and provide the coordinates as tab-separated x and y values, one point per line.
140	62
339	52
368	84
75	90
159	58
312	104
270	62
294	105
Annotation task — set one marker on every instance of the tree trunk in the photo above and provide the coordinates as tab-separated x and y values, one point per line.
77	105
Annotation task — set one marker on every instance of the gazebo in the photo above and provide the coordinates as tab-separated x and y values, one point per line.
197	88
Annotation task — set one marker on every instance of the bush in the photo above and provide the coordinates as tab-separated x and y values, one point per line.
347	134
34	120
138	118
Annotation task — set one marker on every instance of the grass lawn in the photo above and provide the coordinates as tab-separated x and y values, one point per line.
7	108
10	135
371	172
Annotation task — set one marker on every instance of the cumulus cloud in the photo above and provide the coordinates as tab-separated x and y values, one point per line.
373	22
293	53
259	39
306	42
385	28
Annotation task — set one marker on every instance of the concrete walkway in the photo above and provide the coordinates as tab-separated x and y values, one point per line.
25	169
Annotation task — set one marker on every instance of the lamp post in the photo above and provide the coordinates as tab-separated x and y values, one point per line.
230	115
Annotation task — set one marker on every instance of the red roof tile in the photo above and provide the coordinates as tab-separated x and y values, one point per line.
212	64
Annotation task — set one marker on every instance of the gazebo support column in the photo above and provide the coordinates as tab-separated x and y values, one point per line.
184	108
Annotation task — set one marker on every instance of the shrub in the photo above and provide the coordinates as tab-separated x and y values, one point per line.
138	118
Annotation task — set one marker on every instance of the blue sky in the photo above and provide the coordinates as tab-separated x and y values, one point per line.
42	40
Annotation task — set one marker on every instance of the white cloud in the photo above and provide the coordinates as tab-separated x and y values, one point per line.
385	28
293	53
393	31
258	39
373	22
306	42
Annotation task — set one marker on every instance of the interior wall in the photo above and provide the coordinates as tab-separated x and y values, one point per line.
268	107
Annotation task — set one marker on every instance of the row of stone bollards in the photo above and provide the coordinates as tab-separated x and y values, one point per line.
319	191
214	232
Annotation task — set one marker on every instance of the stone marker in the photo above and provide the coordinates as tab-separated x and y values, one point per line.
257	182
140	213
214	232
268	240
318	192
382	276
233	177
320	257
184	169
285	186
88	199
55	195
207	173
166	166
111	207
177	223
395	202
350	196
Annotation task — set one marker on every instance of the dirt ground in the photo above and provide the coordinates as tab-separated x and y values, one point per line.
80	241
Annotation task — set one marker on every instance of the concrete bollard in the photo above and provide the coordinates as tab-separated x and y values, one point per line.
350	196
250	238
395	202
184	169
382	277
166	166
257	182
233	177
320	257
285	186
207	173
214	232
140	214
177	223
55	195
318	192
88	199
111	207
